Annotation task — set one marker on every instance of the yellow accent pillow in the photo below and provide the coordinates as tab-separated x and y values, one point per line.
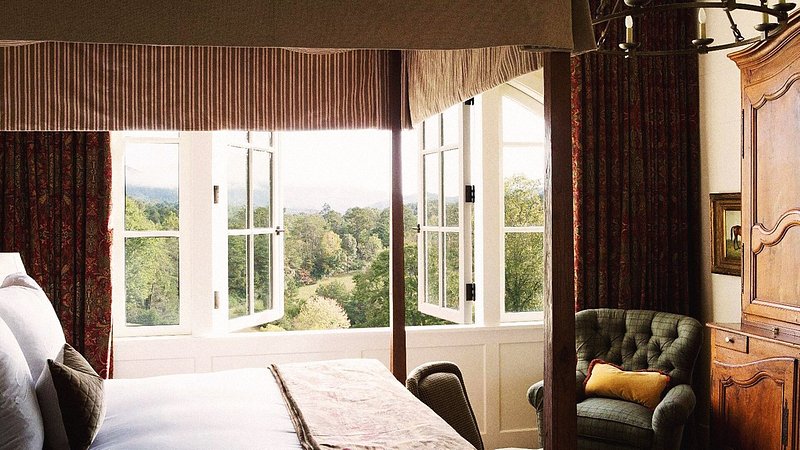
608	380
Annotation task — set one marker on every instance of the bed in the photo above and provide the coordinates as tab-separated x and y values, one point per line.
354	403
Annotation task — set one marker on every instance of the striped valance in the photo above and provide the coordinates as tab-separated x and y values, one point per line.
77	86
86	87
439	79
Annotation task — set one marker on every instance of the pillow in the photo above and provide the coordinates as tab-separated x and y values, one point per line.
72	401
608	380
20	419
31	317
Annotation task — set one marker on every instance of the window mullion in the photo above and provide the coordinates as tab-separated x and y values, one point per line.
250	237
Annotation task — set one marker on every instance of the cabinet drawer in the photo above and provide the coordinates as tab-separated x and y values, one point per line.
733	341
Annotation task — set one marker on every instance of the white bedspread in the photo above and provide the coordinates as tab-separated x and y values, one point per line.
236	409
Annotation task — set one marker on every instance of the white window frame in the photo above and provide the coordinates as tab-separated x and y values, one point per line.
464	313
203	270
119	142
532	100
223	142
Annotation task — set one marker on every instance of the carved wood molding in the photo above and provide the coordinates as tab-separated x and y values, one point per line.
784	88
761	237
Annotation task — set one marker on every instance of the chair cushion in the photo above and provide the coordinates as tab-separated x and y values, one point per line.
615	421
608	380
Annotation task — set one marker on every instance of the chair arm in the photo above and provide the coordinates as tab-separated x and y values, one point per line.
671	415
536	392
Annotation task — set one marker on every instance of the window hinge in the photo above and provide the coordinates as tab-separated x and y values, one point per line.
470	101
470	292
785	425
469	193
419	228
216	299
216	194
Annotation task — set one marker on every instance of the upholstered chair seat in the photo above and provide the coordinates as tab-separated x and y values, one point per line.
633	340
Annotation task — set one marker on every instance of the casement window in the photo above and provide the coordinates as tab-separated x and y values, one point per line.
523	178
253	244
445	217
196	232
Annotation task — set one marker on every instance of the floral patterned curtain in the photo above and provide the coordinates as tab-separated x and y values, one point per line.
636	173
56	199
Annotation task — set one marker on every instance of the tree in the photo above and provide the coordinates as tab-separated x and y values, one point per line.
335	290
320	313
524	253
368	305
369	249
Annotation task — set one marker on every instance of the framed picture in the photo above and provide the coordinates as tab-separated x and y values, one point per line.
726	233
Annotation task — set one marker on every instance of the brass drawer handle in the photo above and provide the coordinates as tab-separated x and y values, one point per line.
729	339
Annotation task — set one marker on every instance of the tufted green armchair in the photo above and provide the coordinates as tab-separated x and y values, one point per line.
635	340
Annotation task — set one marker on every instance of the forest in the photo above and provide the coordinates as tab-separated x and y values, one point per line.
336	265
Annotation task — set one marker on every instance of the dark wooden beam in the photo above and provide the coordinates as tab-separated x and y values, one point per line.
559	298
397	290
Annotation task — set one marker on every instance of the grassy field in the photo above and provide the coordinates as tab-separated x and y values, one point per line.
732	252
308	291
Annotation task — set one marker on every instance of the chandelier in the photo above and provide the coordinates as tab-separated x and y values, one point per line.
773	20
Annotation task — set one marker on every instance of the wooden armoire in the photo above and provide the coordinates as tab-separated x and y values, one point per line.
754	363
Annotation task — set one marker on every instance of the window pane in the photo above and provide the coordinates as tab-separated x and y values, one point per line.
237	188
452	187
262	264
431	188
521	124
262	188
151	187
523	179
451	270
524	272
151	281
237	276
431	130
450	125
432	267
262	139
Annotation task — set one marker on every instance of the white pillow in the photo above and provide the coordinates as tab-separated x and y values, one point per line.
20	418
31	317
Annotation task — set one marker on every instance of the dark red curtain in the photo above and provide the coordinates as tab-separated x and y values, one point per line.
56	199
636	172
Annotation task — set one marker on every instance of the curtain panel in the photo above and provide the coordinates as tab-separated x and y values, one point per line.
56	201
635	135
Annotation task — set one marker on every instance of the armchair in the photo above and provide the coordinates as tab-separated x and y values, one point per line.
634	340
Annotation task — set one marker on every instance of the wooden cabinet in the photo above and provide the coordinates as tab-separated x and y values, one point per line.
770	183
753	391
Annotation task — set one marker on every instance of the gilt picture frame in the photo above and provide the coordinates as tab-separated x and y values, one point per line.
726	233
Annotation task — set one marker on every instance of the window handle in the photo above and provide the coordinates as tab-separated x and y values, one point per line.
279	230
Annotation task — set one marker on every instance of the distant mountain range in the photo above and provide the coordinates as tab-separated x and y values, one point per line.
152	194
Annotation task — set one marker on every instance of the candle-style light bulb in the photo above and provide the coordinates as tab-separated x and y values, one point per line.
764	18
629	29
701	23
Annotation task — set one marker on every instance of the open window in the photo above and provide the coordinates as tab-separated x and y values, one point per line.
252	245
445	217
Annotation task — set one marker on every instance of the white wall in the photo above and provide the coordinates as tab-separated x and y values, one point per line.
720	166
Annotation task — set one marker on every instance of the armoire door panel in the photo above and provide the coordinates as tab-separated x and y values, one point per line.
749	402
779	287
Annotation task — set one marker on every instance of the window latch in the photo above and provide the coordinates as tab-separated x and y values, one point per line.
419	228
279	230
216	194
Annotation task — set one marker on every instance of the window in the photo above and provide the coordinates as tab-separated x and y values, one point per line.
253	238
150	237
191	265
523	171
444	241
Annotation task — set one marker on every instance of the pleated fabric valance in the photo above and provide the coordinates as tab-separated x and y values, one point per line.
238	65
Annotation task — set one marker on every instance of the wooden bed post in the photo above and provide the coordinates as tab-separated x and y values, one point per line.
397	289
559	297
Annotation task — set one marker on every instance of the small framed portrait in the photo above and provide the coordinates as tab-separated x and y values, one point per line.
726	233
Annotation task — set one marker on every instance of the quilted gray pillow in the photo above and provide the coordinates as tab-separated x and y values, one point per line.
77	413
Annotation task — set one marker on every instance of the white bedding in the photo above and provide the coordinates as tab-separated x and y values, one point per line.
236	409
